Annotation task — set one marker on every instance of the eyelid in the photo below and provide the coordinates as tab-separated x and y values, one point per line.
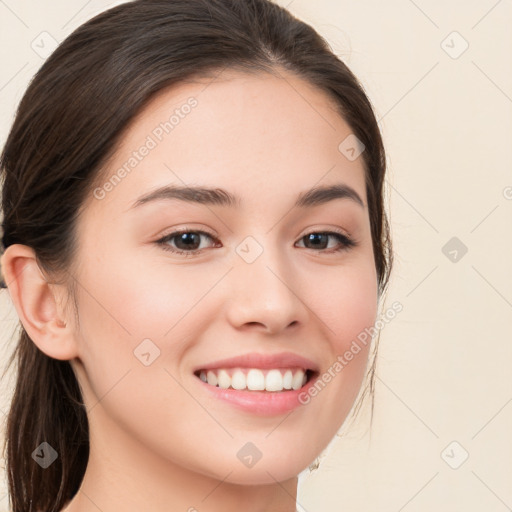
186	229
330	229
307	231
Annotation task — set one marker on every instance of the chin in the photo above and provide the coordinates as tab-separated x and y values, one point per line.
264	475
264	472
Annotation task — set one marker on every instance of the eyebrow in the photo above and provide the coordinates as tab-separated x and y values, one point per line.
220	197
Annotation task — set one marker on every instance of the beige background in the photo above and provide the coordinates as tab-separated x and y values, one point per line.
445	360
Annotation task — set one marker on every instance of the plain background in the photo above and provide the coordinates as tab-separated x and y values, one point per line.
440	77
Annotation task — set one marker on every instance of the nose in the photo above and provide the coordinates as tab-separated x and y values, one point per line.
263	295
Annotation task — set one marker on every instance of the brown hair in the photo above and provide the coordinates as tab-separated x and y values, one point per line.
67	125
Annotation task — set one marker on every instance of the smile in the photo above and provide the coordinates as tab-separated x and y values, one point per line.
255	379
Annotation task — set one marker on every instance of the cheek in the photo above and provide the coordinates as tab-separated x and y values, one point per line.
346	303
122	308
127	297
348	307
116	314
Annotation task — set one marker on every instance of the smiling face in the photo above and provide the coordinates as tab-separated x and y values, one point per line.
265	268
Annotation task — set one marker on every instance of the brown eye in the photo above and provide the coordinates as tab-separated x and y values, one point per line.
184	241
320	240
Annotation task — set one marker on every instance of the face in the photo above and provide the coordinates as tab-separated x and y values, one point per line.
175	284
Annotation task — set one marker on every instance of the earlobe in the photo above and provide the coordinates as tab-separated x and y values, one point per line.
36	305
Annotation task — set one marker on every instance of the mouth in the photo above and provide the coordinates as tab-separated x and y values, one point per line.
273	380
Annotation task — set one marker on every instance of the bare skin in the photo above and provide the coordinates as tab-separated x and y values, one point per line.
158	441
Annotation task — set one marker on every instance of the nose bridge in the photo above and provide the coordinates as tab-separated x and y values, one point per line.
262	285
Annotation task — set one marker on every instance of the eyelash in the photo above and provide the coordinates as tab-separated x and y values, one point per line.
346	242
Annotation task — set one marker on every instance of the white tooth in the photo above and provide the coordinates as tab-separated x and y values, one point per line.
274	381
224	380
212	378
202	376
287	379
255	380
238	380
304	379
297	379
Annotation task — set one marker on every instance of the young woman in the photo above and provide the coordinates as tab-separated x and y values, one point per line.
194	238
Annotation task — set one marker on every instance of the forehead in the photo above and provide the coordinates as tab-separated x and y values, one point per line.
246	132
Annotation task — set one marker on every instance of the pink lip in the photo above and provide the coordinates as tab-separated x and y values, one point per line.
262	361
262	403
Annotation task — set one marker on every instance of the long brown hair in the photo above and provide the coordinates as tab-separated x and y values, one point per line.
67	125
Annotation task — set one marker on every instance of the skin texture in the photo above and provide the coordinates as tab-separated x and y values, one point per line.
158	441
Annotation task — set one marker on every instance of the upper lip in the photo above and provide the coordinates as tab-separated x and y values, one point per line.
258	360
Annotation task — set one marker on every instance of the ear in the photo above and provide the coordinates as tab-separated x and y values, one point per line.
36	304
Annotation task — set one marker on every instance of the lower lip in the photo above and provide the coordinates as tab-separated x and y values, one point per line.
263	403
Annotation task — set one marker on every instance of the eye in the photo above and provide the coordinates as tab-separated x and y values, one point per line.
318	239
187	241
